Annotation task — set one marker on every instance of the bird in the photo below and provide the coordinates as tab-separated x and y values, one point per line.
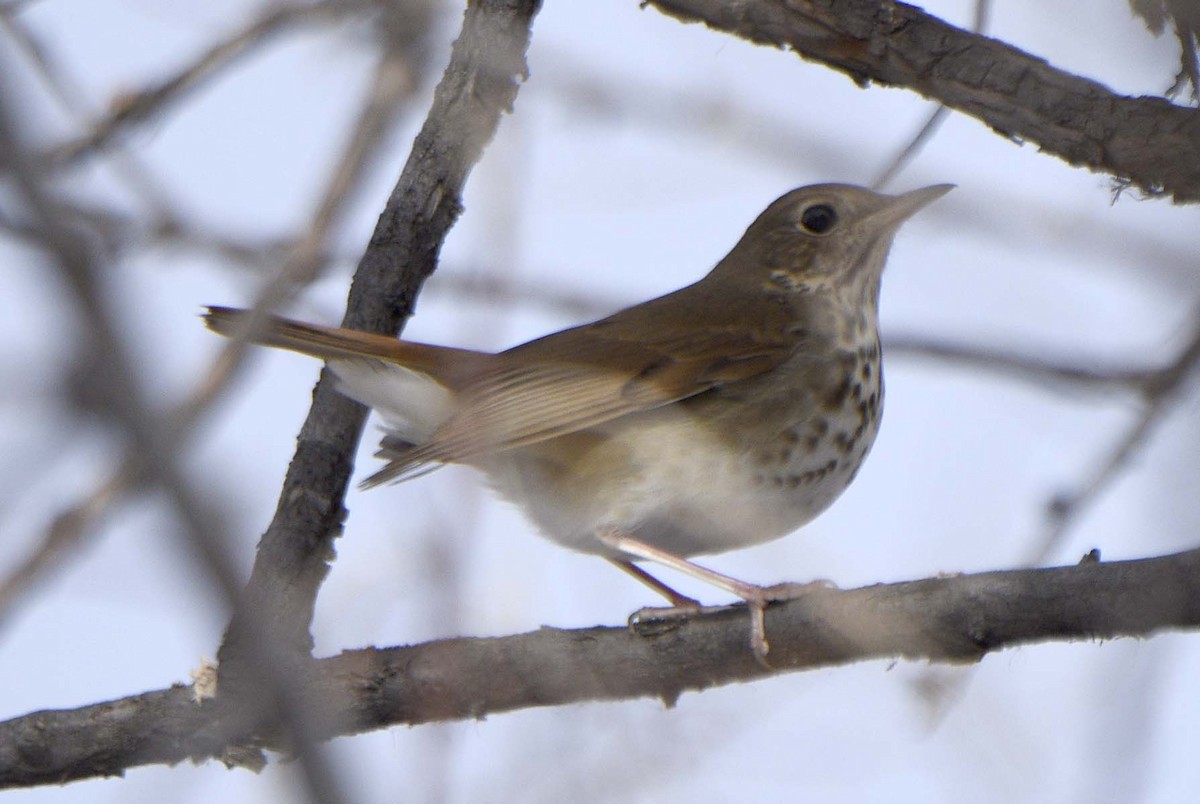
722	415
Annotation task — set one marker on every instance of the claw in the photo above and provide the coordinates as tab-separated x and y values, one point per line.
757	598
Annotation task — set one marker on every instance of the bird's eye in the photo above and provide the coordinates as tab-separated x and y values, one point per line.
818	219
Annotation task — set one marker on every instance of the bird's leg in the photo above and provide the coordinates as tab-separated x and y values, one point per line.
677	600
756	597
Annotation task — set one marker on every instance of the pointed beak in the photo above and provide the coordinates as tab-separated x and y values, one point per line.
900	208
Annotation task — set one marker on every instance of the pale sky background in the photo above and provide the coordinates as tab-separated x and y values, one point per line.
620	197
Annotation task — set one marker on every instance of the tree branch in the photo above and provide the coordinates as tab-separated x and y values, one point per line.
75	524
142	106
478	85
1159	389
949	619
1020	96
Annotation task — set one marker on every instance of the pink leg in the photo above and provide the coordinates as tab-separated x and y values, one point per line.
756	597
677	600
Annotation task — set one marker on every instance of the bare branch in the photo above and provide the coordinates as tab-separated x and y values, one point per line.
1159	389
1038	369
75	524
1020	96
151	451
951	619
63	536
139	107
478	85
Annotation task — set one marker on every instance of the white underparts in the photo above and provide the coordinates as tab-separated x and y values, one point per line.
412	404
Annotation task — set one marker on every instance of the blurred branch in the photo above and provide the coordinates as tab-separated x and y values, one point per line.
16	6
1037	369
728	120
75	102
909	152
391	86
1159	389
951	619
142	106
65	533
73	525
1018	95
161	222
151	451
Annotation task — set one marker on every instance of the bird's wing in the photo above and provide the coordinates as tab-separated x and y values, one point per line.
583	377
549	387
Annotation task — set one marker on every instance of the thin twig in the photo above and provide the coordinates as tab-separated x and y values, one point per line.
148	435
72	526
1042	371
142	106
1159	390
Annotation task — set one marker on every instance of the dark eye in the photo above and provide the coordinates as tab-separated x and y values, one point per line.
818	219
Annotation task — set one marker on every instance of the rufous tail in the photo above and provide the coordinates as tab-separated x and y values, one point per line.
445	364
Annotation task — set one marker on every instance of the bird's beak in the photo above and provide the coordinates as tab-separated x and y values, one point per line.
900	208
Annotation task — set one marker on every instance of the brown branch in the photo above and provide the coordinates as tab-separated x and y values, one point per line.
948	619
1020	96
925	134
478	85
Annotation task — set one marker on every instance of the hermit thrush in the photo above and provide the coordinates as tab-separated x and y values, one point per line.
722	415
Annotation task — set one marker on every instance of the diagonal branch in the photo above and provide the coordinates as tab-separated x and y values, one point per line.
478	85
947	619
117	386
1020	96
138	108
1160	389
75	524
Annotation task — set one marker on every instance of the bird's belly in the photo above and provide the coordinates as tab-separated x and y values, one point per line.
671	483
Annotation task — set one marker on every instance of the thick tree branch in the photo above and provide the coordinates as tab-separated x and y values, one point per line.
950	619
271	626
1147	141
